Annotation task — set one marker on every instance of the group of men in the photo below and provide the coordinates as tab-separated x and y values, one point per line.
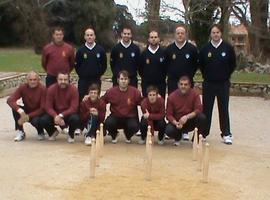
62	104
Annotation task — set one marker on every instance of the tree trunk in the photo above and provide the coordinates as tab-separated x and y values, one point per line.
152	10
258	31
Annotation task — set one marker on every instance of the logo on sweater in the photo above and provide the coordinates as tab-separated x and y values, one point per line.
173	56
223	54
187	56
121	55
161	59
132	54
63	53
147	61
85	55
98	55
209	55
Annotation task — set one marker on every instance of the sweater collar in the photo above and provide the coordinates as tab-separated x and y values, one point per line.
180	47
153	51
216	45
125	45
90	47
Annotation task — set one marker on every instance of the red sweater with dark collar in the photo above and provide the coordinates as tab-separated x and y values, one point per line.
123	103
33	99
64	101
179	105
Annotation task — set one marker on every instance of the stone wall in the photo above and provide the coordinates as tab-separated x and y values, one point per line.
238	89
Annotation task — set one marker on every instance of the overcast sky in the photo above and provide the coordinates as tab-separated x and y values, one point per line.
136	8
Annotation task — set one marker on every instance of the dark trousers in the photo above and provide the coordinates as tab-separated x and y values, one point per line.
222	92
173	85
130	125
35	121
160	85
92	126
72	121
199	121
133	81
50	80
158	125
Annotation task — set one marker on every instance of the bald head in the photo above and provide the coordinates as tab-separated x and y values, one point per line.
90	36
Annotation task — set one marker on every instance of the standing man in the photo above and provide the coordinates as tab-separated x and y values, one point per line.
181	59
57	56
152	69
125	56
153	109
62	102
91	63
184	111
92	113
123	100
33	95
217	63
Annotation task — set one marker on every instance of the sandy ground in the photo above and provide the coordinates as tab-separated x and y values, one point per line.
57	170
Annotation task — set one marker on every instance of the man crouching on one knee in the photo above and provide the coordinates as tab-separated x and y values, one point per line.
184	111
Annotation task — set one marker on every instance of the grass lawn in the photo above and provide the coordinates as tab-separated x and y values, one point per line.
24	59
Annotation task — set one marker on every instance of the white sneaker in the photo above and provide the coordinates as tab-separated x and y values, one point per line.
65	131
227	139
77	132
19	136
88	141
128	141
176	143
161	142
138	133
41	136
114	141
141	141
185	136
53	136
166	137
70	140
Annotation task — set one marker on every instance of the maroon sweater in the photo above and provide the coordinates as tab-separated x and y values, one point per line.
156	110
58	58
33	99
64	101
123	104
85	106
179	105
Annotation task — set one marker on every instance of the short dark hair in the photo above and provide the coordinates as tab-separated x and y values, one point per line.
123	73
184	78
57	28
151	88
218	26
89	27
94	86
62	72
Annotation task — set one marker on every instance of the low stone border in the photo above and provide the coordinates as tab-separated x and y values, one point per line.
7	84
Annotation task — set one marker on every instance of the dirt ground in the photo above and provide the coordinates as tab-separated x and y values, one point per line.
57	170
